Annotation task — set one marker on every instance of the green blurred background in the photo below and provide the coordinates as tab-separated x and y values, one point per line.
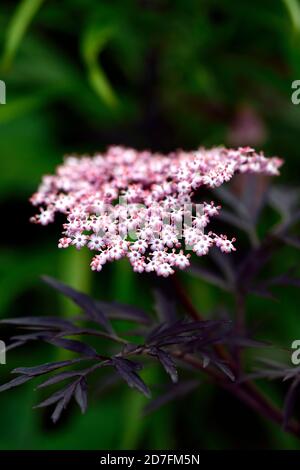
158	74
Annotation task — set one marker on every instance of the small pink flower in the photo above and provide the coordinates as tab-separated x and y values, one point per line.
225	245
164	270
64	242
79	240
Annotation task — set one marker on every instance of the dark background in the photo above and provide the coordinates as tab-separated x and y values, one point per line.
158	74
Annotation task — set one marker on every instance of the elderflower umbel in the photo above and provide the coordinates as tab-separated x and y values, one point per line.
139	205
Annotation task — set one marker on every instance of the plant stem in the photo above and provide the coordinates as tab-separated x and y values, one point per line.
185	301
240	328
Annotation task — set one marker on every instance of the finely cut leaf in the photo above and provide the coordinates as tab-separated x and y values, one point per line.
59	378
88	305
167	362
45	368
74	345
127	370
15	382
58	411
44	322
81	395
225	370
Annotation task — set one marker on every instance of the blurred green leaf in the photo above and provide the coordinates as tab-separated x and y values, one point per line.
18	25
293	8
93	43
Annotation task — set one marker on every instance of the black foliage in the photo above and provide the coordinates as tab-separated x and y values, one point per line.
59	378
15	382
190	343
74	345
88	305
162	341
167	362
128	371
40	322
81	395
45	368
57	411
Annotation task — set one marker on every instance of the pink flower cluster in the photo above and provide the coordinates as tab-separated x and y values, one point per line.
139	205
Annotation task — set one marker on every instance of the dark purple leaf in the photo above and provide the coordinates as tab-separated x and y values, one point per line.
179	340
128	373
167	362
206	360
65	394
90	332
200	342
225	369
59	378
85	302
44	322
275	370
81	395
59	395
182	327
128	364
14	345
15	382
74	345
69	392
58	411
33	336
45	368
